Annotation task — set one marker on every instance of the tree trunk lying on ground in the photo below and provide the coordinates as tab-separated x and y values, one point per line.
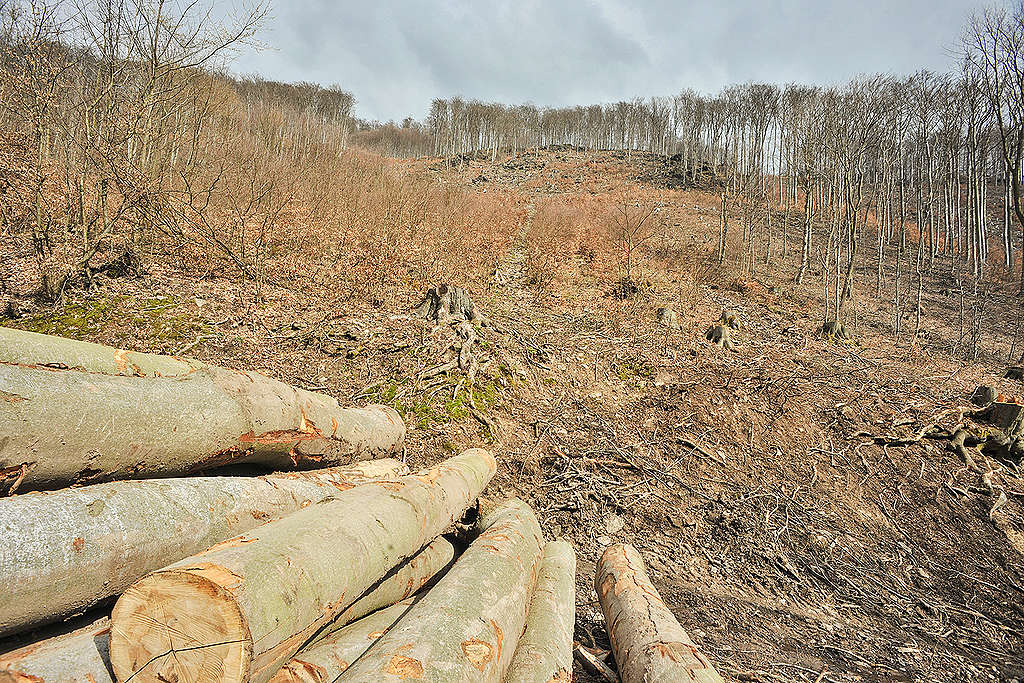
83	653
77	657
73	412
544	653
63	551
398	585
649	644
241	609
466	627
330	657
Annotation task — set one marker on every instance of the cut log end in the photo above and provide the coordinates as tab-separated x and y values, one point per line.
178	626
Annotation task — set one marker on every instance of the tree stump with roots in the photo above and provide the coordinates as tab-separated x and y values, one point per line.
720	335
835	331
445	303
668	318
731	319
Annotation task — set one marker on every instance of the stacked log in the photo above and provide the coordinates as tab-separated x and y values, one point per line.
77	547
76	412
466	627
544	653
339	573
241	609
330	657
81	656
649	645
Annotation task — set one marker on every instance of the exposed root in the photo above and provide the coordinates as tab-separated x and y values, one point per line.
836	331
449	304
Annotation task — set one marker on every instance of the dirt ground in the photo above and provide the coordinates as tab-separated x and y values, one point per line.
789	547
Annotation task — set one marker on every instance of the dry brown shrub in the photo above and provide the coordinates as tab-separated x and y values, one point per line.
552	242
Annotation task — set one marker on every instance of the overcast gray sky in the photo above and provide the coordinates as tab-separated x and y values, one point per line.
397	55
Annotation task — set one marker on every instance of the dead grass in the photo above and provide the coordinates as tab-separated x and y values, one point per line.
787	548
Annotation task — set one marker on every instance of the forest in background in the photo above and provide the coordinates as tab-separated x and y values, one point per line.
125	143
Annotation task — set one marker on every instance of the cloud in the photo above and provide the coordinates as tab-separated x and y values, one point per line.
397	55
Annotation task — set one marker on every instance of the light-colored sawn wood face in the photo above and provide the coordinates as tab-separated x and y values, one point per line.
177	626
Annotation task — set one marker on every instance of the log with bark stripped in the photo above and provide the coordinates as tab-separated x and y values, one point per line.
329	658
243	608
649	644
75	412
466	627
80	656
64	551
544	653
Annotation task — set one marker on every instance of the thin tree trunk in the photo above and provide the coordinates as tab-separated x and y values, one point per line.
648	643
241	609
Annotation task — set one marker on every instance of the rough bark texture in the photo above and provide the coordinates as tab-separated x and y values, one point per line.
398	585
466	627
64	551
243	608
329	658
544	653
720	336
445	303
77	657
649	644
74	412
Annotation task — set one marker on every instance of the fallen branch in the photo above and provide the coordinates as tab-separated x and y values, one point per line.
594	666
